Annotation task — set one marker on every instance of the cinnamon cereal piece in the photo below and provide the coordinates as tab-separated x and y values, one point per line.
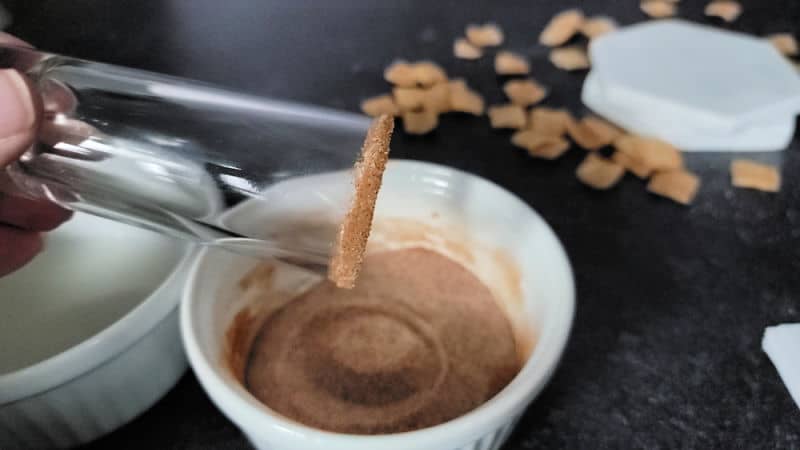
507	116
598	172
658	9
677	185
437	98
524	92
462	99
593	133
408	98
464	50
510	63
428	73
380	104
540	146
598	26
652	153
401	74
727	10
408	75
753	175
420	122
570	58
486	35
550	122
351	242
784	42
561	28
633	165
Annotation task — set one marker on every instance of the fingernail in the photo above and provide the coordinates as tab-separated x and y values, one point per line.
17	108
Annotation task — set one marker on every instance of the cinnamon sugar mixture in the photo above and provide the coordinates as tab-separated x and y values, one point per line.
417	342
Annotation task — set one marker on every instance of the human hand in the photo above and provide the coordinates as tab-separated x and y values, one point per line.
22	220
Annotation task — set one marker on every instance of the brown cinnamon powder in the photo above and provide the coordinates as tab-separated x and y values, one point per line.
351	242
419	341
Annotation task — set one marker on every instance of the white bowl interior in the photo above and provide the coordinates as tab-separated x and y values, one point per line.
425	204
92	272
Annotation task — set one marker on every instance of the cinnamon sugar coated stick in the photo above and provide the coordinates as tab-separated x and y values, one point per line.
351	242
753	175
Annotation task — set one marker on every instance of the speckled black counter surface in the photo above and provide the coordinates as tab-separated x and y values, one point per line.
672	301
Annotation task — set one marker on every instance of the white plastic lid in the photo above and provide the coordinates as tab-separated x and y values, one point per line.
713	79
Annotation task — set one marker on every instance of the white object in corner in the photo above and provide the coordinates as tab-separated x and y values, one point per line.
699	85
782	345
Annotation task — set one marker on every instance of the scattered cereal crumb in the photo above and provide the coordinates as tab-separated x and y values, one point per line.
487	35
753	175
633	165
420	122
462	99
678	185
598	26
540	146
561	28
599	172
381	104
524	92
785	43
652	153
464	50
727	10
658	9
507	116
509	63
408	98
550	122
593	133
570	58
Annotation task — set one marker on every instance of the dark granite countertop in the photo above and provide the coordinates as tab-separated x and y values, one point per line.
672	301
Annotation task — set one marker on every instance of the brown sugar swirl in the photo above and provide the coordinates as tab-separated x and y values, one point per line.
418	341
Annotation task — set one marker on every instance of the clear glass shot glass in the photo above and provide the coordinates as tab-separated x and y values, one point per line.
187	159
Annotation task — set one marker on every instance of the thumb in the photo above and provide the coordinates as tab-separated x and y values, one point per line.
19	115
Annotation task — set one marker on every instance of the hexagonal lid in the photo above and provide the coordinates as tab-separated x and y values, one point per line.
721	79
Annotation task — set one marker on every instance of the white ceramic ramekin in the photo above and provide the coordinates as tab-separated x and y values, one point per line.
467	210
101	382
